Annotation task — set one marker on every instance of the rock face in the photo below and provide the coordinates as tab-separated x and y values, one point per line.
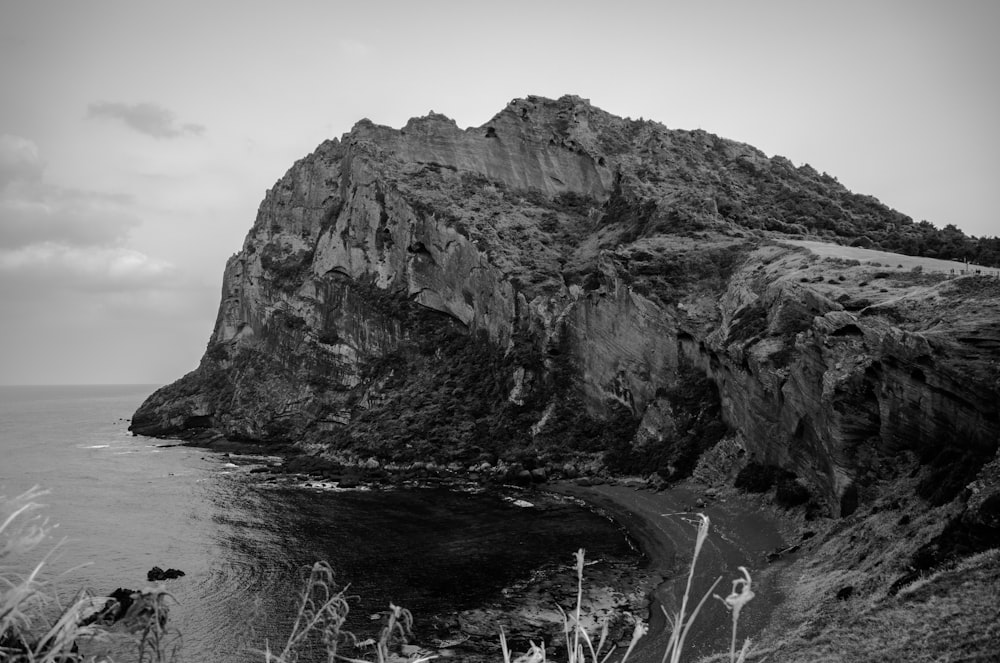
562	284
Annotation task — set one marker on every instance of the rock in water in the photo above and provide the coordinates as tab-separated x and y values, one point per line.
157	574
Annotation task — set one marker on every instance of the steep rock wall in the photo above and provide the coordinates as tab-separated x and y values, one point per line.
841	397
376	265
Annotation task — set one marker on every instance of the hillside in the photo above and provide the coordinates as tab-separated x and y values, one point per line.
566	291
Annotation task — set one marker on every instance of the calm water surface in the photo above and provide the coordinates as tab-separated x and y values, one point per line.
125	504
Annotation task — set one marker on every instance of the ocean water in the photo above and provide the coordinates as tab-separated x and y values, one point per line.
124	504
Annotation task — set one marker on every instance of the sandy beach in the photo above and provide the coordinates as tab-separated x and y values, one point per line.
663	525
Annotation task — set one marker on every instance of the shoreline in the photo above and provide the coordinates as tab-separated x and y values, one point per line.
660	524
659	521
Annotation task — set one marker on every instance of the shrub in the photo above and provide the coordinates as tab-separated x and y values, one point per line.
286	270
217	351
697	413
749	323
328	337
791	493
760	478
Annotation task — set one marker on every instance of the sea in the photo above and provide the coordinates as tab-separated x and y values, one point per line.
123	504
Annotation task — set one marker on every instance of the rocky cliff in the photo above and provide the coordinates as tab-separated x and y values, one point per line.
565	288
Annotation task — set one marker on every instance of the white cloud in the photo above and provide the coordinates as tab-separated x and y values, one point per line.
48	266
57	239
33	212
146	118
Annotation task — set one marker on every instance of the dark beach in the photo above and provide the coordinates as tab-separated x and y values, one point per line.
663	524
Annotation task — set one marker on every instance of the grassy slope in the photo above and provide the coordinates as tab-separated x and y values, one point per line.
950	614
891	260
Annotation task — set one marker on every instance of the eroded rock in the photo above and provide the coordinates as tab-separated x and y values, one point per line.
539	287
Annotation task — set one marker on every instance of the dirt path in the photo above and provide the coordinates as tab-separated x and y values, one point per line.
663	525
889	260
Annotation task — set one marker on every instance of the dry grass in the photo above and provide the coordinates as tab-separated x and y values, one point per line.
320	619
34	628
580	645
952	614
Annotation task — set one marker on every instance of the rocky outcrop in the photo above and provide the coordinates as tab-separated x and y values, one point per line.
547	286
156	574
845	397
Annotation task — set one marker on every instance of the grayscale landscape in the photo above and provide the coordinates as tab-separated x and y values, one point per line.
589	378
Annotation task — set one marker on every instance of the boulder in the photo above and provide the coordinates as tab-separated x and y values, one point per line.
156	574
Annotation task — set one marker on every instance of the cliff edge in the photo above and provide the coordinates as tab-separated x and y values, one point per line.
570	292
562	285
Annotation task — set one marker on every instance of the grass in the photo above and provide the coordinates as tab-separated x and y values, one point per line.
580	644
951	616
35	628
321	616
951	613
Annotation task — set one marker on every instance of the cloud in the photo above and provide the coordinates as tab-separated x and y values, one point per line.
38	212
49	266
19	160
146	118
57	238
33	211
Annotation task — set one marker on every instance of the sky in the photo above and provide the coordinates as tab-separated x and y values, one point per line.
137	138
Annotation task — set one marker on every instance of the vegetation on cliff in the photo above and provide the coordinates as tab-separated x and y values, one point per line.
565	292
565	287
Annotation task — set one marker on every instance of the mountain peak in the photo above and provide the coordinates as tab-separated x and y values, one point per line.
570	259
